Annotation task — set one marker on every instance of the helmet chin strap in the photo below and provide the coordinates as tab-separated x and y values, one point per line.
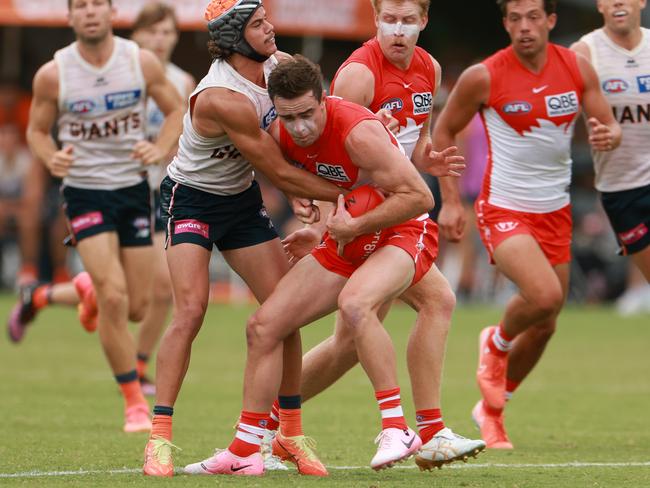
227	30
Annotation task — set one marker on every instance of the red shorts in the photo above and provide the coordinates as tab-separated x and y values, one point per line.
552	231
419	238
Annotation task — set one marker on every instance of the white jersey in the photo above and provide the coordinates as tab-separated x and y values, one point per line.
155	119
101	114
625	78
215	165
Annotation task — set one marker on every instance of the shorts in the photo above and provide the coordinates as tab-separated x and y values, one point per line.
126	211
419	238
205	219
552	230
629	214
158	221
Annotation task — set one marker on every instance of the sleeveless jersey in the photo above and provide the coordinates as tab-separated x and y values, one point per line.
625	79
529	120
101	114
214	165
408	94
155	119
327	157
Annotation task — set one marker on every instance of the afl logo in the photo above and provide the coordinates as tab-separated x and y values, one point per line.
515	108
615	85
82	106
394	105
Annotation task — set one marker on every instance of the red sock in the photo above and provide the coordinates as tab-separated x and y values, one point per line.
141	366
429	423
500	342
273	422
61	275
291	422
132	393
390	407
511	386
162	427
41	297
250	431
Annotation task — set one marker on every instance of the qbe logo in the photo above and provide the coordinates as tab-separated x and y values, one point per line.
517	108
562	104
394	105
422	103
332	172
615	85
644	83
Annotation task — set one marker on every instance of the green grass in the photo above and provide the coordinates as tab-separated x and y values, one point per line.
587	402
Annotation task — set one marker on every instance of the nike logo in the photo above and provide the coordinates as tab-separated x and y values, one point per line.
407	86
409	444
540	89
234	470
312	156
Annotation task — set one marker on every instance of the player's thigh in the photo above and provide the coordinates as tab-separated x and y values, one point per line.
161	281
432	290
522	260
305	294
382	277
261	266
100	255
642	261
188	266
138	268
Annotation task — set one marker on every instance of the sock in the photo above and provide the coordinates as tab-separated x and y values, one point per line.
511	386
390	407
141	364
28	273
500	343
41	296
290	416
61	275
273	422
250	430
429	423
162	422
130	387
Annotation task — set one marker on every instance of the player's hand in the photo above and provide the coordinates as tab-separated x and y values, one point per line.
443	163
451	221
148	153
340	225
601	137
386	117
305	210
61	161
300	243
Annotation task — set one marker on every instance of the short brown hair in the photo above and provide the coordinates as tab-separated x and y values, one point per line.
423	4
294	77
152	13
550	6
110	2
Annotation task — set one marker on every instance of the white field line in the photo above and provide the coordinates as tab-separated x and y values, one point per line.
85	472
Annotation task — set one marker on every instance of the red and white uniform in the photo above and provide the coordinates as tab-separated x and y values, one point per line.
529	120
408	94
328	158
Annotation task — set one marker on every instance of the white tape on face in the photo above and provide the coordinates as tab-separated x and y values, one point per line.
399	29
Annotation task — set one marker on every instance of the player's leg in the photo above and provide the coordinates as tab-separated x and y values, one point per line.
642	261
30	222
307	292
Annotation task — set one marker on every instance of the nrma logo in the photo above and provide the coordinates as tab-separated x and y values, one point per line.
394	105
82	106
615	85
515	108
644	83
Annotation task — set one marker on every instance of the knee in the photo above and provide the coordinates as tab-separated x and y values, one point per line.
549	301
354	311
259	333
138	310
112	298
188	318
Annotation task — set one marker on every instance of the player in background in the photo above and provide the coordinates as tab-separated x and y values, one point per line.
620	54
210	197
95	90
529	95
156	29
396	80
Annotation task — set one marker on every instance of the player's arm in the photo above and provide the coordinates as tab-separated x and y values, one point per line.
425	159
170	103
237	117
468	95
604	132
42	116
370	149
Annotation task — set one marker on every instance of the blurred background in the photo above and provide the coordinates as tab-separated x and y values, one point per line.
327	31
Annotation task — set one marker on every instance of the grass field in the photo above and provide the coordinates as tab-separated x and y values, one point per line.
581	420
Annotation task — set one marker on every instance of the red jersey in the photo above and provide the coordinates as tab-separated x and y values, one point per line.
529	120
327	157
408	94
